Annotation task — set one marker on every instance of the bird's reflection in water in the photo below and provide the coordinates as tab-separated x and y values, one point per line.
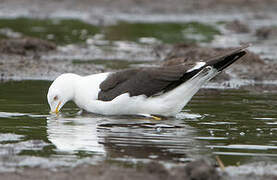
123	137
72	134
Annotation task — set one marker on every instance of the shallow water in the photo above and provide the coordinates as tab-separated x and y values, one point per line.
238	126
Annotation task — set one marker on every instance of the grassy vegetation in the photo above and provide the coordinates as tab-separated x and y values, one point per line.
166	32
69	31
65	31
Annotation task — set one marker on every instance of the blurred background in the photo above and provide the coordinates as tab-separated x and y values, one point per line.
82	34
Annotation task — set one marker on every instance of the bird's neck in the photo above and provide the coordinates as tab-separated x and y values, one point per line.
86	90
72	81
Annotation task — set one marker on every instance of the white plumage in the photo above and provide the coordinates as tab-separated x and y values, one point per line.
83	90
161	90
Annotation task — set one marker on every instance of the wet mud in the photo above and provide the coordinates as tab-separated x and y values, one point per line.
25	59
197	170
266	32
25	46
250	67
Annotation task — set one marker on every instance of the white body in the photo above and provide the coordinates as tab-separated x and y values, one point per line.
85	93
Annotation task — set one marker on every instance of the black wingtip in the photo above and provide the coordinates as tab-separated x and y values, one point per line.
228	60
225	60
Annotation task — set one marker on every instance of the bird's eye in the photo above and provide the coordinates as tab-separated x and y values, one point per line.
55	98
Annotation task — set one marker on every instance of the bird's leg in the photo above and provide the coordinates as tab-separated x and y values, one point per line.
152	117
156	118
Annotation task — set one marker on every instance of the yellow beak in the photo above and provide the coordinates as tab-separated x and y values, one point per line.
57	108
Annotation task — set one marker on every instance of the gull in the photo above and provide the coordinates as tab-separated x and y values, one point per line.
147	91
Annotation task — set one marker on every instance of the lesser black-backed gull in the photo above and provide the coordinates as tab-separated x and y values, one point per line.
161	90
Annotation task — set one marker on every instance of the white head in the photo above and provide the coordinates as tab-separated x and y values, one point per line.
61	91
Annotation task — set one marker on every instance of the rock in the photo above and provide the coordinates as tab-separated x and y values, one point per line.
237	27
197	170
189	51
24	46
201	170
157	169
266	32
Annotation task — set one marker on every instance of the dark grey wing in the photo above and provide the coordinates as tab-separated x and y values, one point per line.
146	81
117	78
151	81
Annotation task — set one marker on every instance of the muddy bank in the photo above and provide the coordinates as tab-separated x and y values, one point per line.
28	58
197	170
249	67
25	46
21	68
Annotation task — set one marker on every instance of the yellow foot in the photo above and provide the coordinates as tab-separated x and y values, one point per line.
156	118
152	117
